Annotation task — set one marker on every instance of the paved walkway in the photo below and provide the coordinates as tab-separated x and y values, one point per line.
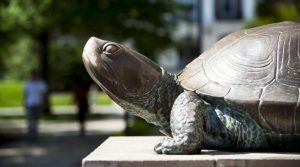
59	144
49	151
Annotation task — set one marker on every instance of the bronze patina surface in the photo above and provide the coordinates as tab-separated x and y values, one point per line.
241	94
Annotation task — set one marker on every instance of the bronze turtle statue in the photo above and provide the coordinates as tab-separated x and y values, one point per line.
241	94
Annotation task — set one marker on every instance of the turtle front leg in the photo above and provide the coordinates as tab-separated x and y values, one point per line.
186	123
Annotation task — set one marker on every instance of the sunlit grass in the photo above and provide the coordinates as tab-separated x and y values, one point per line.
61	99
11	95
103	99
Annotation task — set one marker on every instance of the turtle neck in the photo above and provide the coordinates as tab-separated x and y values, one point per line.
155	106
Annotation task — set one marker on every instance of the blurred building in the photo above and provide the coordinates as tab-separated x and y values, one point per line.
203	23
221	17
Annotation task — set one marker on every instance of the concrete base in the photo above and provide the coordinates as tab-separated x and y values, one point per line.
138	151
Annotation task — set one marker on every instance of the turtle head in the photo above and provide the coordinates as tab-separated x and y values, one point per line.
118	70
132	80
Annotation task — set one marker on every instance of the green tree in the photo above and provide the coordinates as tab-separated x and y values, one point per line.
271	11
38	26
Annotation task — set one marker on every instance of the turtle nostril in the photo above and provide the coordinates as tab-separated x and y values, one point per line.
110	49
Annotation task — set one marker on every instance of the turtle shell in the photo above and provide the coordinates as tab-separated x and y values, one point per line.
256	71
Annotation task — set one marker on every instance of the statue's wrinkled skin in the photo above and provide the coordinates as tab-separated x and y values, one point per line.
252	106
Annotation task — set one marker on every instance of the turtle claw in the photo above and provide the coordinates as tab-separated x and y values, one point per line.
158	148
167	146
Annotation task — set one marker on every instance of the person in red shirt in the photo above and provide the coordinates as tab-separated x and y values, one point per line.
81	100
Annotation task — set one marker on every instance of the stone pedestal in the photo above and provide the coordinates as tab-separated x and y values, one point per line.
138	151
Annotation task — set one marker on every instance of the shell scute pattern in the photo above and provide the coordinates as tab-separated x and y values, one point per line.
245	60
257	68
289	58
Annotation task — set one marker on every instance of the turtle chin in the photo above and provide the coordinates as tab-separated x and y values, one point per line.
104	82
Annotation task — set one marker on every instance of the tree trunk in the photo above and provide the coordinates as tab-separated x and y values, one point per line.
43	39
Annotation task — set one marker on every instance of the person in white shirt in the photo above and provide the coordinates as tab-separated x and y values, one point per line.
35	92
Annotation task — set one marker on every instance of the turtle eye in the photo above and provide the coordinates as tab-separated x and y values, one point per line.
110	49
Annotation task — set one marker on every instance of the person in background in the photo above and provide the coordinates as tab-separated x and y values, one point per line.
81	99
35	92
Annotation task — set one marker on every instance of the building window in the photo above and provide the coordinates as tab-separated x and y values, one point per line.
228	9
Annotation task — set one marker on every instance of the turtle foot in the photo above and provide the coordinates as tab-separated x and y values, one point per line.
169	146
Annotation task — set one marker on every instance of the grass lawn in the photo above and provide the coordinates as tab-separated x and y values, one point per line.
103	99
11	95
60	99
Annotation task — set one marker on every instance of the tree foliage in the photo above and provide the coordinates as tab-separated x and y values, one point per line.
271	11
50	34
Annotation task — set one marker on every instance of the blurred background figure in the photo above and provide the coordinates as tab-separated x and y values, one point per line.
81	99
35	92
